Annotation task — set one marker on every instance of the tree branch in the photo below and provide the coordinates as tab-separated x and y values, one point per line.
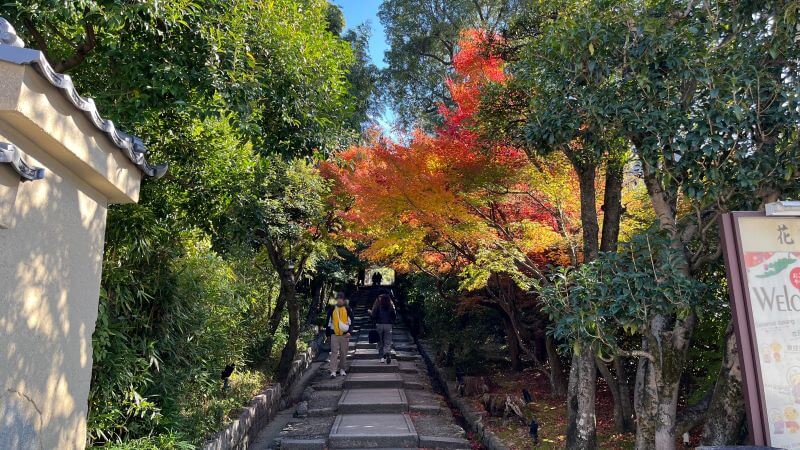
81	51
41	42
693	415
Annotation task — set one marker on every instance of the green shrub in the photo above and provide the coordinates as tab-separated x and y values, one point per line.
158	357
461	330
166	441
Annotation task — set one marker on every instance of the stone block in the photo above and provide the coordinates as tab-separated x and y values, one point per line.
363	401
302	444
373	366
373	380
442	442
373	431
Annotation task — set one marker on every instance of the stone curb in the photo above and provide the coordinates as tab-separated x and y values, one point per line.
303	444
473	419
240	433
442	442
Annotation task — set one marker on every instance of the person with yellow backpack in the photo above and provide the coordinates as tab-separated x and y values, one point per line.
339	319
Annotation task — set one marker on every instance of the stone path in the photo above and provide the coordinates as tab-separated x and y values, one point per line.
376	405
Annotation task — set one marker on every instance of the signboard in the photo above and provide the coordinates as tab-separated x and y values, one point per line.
762	257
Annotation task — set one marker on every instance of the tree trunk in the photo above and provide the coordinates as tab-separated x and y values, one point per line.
623	418
657	417
612	206
643	400
272	327
588	194
288	290
277	313
612	215
581	418
558	376
628	415
726	412
318	288
513	345
667	339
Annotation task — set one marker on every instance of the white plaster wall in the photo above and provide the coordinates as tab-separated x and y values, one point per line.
50	265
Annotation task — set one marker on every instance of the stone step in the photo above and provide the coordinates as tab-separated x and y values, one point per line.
356	344
415	384
373	380
407	356
364	353
375	401
439	431
401	347
373	366
334	384
426	402
373	431
372	353
408	367
306	434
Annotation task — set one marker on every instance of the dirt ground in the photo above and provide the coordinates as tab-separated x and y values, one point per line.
550	413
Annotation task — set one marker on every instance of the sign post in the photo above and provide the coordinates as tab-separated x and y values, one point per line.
762	260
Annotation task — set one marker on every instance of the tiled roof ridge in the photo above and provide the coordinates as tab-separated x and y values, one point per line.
10	154
12	50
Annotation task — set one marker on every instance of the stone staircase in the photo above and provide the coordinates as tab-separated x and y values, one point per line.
376	405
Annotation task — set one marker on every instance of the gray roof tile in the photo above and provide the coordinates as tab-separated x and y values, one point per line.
12	50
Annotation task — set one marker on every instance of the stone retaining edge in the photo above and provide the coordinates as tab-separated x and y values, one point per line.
264	406
473	419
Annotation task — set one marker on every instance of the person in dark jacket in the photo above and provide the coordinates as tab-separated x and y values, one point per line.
377	278
340	317
384	314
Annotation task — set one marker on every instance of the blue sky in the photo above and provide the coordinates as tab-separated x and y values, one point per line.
357	12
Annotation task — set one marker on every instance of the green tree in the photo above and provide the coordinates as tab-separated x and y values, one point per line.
291	219
275	64
202	82
551	106
706	97
423	38
140	359
710	104
363	78
287	74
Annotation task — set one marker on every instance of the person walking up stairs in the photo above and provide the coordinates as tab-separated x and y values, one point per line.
384	314
339	321
377	405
